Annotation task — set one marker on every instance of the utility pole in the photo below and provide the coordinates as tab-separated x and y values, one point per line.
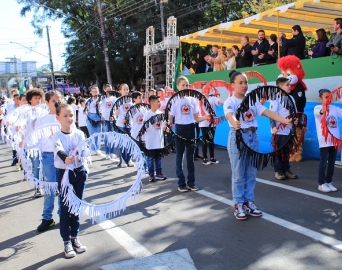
51	64
162	17
105	48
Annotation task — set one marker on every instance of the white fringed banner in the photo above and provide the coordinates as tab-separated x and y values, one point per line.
113	208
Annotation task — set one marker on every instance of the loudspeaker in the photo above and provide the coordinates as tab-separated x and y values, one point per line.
158	59
159	69
160	78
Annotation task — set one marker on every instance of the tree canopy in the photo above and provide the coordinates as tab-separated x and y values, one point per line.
125	30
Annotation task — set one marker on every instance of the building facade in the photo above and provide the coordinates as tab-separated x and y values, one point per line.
16	66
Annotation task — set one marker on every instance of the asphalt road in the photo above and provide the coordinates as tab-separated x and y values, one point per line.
301	228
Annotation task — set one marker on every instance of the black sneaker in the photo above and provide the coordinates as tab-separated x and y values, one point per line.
183	188
251	209
151	178
193	188
198	157
69	252
76	244
160	177
38	192
239	212
214	161
46	224
290	175
205	162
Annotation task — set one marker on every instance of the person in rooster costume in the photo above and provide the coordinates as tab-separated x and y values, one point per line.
292	68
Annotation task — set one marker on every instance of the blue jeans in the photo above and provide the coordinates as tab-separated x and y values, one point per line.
124	155
243	174
326	171
107	127
150	163
35	166
69	223
92	129
281	166
50	175
188	132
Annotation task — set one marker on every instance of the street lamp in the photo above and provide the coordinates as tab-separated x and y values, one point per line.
51	64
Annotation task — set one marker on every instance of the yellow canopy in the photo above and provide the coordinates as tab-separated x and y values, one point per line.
309	14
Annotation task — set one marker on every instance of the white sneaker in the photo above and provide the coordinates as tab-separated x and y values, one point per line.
324	188
130	164
98	153
17	168
332	188
107	156
113	156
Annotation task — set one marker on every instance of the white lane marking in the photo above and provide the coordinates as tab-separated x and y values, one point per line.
284	223
300	190
134	248
172	260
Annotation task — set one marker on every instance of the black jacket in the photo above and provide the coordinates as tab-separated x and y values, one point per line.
247	59
271	59
298	95
200	65
295	45
263	49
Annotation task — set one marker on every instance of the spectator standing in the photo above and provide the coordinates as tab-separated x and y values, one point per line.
260	49
245	57
200	64
230	62
335	40
320	49
217	62
272	54
295	45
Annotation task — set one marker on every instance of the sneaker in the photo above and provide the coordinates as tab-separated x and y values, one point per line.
151	178
290	175
279	176
113	156
14	163
69	252
193	188
324	188
239	213
214	161
205	162
330	185
197	157
38	192
46	224
122	165
251	209
107	156
77	245
130	164
17	168
183	188
160	177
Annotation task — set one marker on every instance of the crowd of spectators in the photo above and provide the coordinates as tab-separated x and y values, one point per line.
264	51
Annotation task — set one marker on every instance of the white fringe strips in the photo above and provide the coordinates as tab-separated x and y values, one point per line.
113	208
30	150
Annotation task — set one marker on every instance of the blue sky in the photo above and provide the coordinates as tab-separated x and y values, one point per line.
18	29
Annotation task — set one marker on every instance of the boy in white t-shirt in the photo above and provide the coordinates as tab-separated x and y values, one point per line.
154	139
327	149
282	166
82	118
137	119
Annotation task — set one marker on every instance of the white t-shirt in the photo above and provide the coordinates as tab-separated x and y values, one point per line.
137	121
31	116
82	117
107	105
279	107
332	122
214	102
154	135
249	120
46	144
122	110
90	104
183	109
74	108
67	143
163	104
